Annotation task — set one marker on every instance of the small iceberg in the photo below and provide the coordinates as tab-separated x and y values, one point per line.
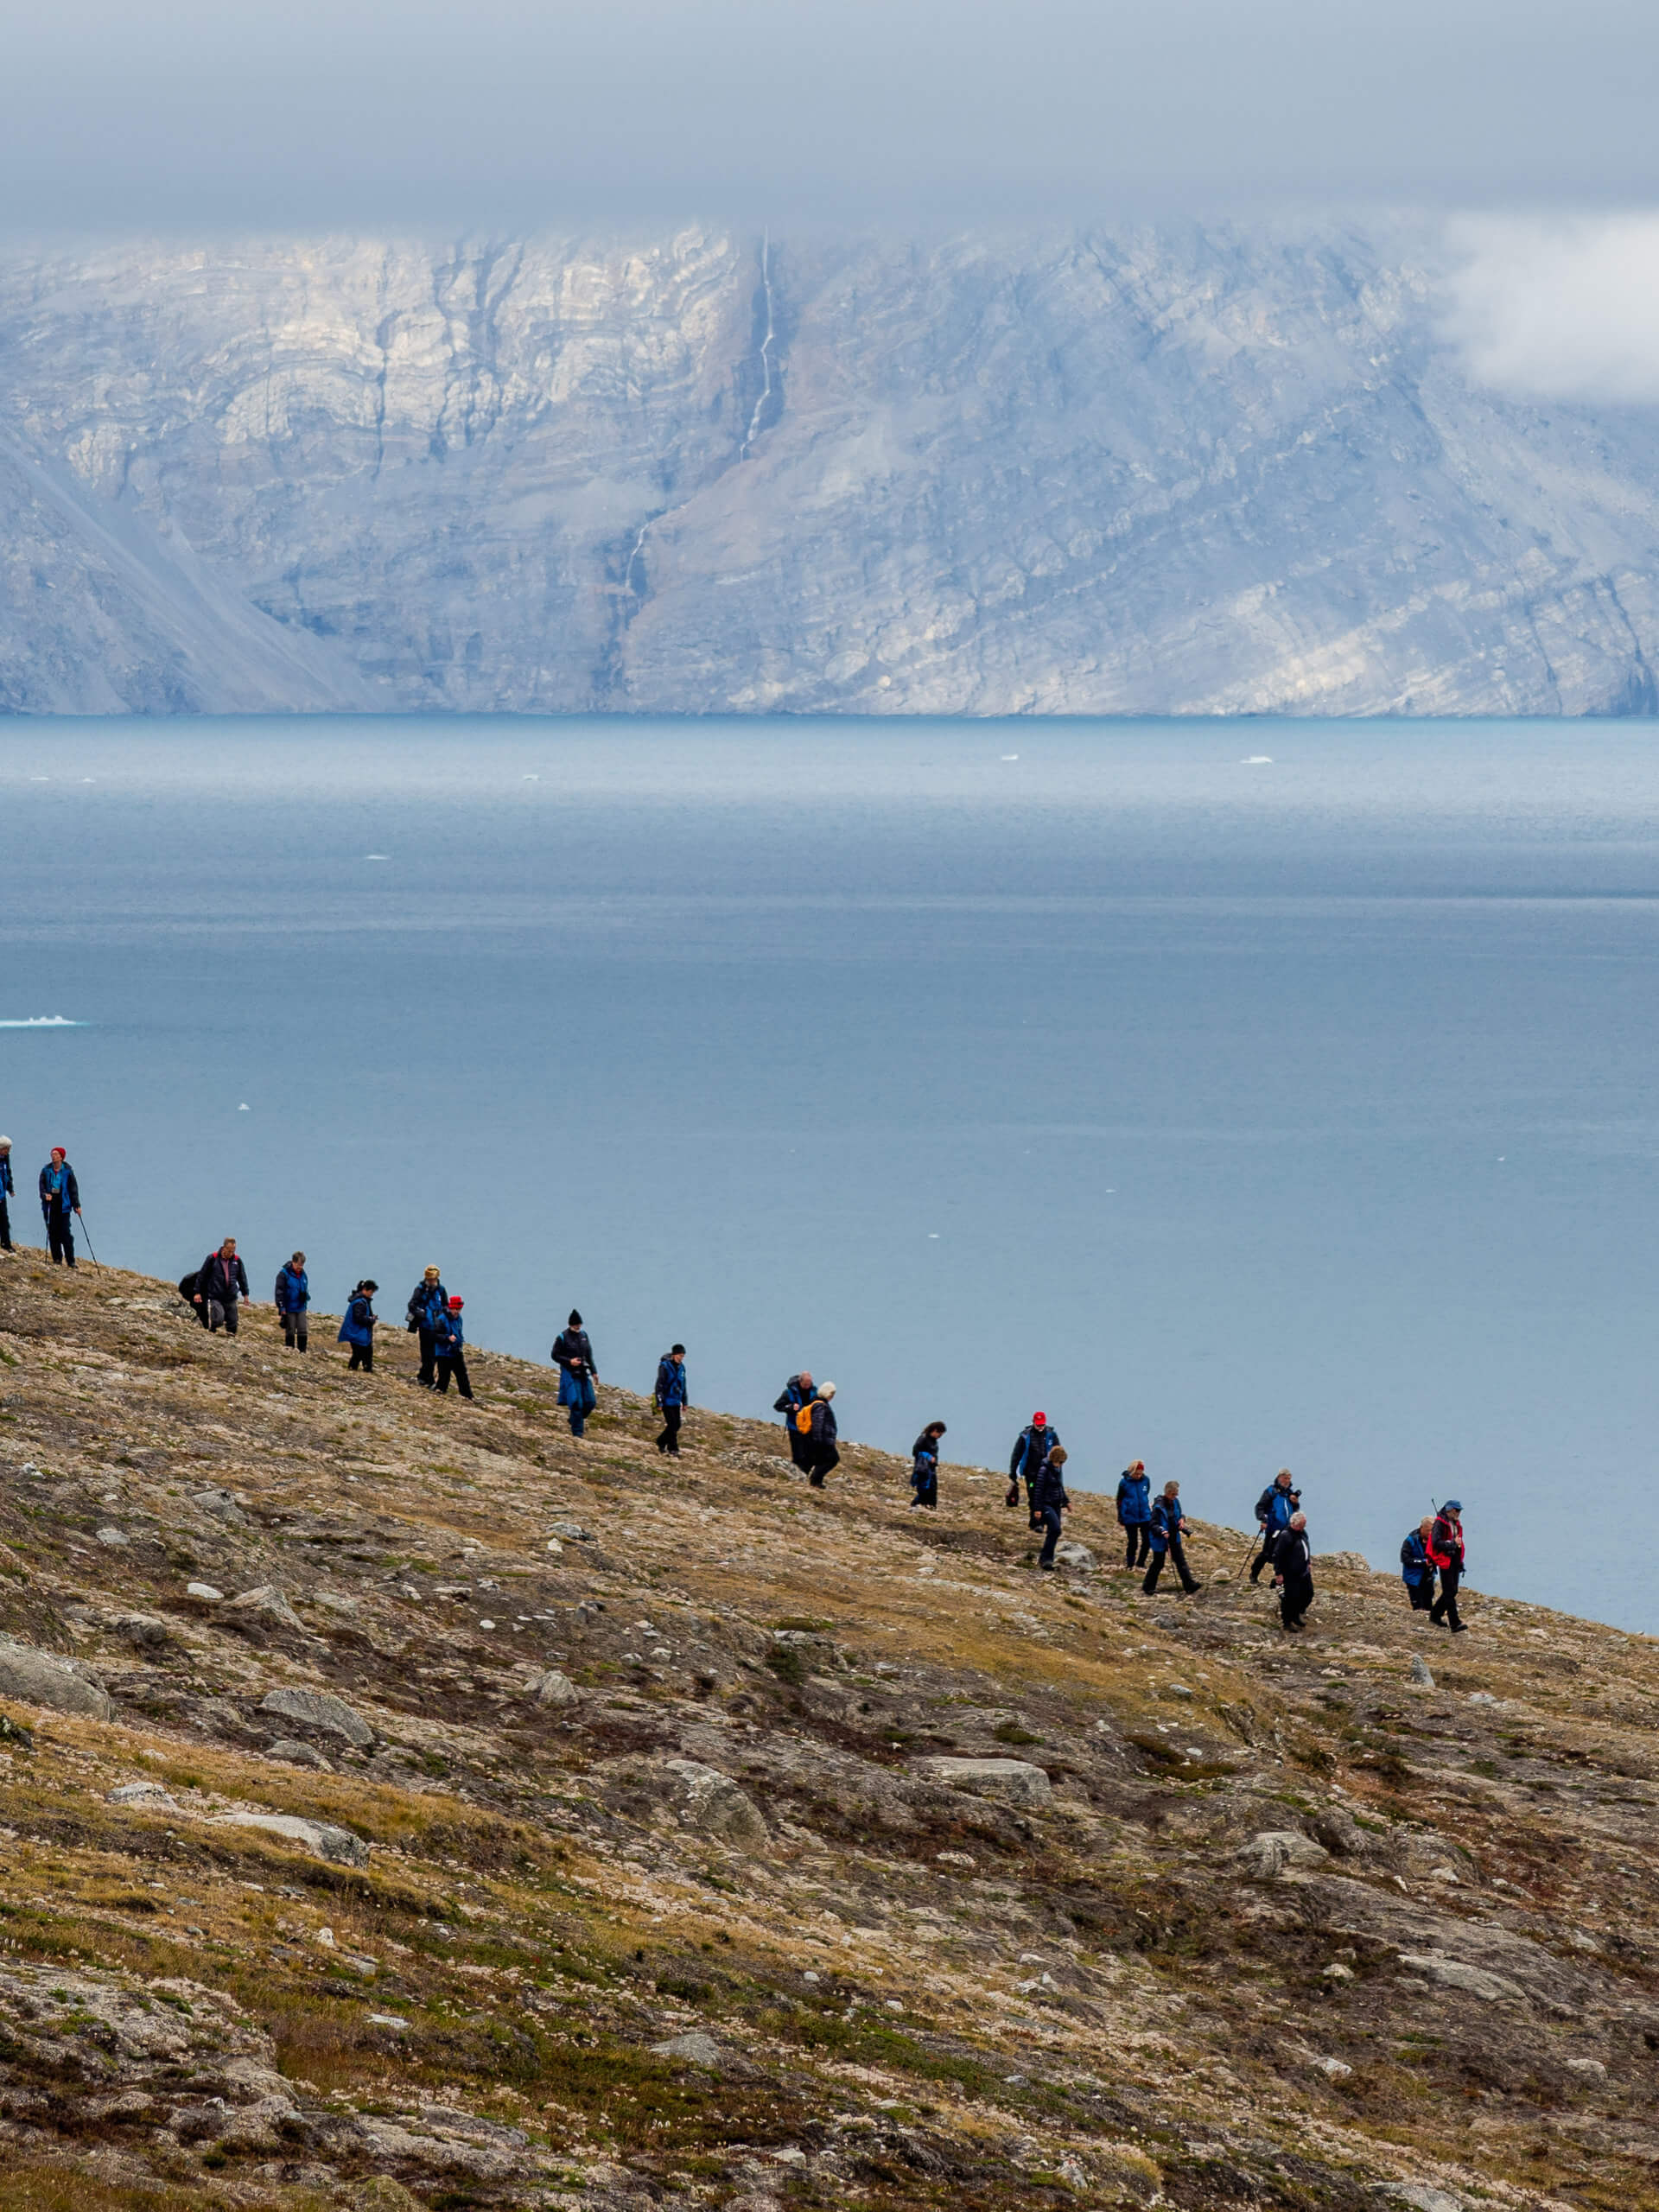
1258	760
42	1022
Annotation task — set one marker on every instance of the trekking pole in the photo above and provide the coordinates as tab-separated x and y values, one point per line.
91	1255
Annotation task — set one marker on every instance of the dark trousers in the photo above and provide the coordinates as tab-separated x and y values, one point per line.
1178	1559
293	1332
824	1461
1422	1594
5	1226
428	1375
1445	1605
1264	1557
1137	1538
363	1356
800	1447
454	1363
1049	1517
61	1236
668	1442
1294	1600
927	1489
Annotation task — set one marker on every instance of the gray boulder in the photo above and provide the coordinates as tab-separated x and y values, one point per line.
147	1795
320	1709
1419	1672
37	1677
268	1602
321	1837
297	1754
555	1689
1270	1853
222	1506
701	2050
1016	1781
144	1631
700	1797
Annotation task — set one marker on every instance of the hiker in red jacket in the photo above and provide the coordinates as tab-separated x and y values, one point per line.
1445	1548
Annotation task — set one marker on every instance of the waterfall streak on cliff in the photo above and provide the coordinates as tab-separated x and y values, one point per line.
766	349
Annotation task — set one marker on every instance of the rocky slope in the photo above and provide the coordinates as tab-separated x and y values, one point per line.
1188	470
402	1800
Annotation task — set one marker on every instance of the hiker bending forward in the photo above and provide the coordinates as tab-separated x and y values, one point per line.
573	1354
1048	1501
1293	1571
357	1329
1416	1567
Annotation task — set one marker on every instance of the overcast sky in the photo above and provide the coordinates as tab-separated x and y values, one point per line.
125	111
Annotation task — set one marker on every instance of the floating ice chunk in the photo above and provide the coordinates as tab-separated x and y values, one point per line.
245	1108
1008	756
1256	760
377	856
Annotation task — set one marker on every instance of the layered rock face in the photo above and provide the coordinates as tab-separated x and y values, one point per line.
1195	471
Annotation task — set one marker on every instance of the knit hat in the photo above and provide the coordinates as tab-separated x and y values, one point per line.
574	1321
58	1153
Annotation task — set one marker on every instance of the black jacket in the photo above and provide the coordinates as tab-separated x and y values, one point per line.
221	1281
572	1348
1049	1489
1293	1555
1031	1450
795	1395
823	1423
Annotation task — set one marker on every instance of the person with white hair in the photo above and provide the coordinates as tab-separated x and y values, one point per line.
7	1187
821	1457
1293	1572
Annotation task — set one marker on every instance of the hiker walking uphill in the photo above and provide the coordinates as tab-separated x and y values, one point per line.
1030	1455
577	1373
924	1468
1293	1571
1134	1513
221	1281
428	1303
1167	1530
60	1203
357	1328
292	1298
1048	1501
1416	1567
673	1396
7	1187
821	1457
1446	1549
799	1391
1273	1511
449	1351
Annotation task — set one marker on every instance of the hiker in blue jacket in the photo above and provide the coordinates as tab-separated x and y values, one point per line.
7	1187
60	1203
1273	1511
574	1353
673	1396
292	1296
1134	1513
357	1329
1168	1527
428	1303
925	1467
449	1351
1032	1448
1416	1567
799	1391
1048	1501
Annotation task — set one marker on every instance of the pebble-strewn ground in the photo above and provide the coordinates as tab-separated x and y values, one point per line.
618	1874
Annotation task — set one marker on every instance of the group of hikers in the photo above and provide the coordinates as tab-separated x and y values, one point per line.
1154	1529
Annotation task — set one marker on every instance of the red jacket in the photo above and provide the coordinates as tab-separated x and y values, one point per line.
1445	1545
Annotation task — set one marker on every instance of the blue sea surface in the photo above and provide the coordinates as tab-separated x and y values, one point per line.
1238	1112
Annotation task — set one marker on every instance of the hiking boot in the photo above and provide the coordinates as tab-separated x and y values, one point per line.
1459	1628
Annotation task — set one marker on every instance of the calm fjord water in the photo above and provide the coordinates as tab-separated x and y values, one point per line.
1297	1111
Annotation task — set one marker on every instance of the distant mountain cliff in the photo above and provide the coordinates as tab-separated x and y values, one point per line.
1192	472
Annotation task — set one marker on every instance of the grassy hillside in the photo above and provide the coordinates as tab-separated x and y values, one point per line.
624	1879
